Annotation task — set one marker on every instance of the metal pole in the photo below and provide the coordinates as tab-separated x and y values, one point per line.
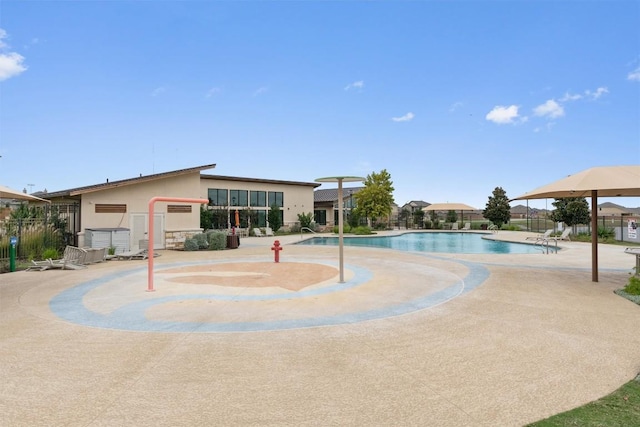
594	235
12	253
340	229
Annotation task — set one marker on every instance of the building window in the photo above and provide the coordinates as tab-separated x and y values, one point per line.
320	216
261	218
277	198
110	208
238	198
259	198
218	197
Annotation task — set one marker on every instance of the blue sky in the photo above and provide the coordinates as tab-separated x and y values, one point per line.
452	98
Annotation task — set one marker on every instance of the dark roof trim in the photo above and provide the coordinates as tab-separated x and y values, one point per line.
331	194
259	180
125	182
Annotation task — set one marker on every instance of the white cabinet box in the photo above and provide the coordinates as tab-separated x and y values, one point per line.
97	238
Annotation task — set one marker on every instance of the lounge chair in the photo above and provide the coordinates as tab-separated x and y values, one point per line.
95	255
545	235
467	226
258	232
268	232
73	259
454	226
564	236
139	254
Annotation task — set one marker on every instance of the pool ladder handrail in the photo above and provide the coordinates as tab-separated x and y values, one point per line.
543	242
306	228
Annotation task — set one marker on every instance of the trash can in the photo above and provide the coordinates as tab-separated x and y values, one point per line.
233	242
483	226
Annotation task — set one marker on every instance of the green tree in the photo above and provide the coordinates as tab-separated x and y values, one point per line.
376	198
275	217
206	218
452	216
403	217
498	210
571	210
418	218
305	219
353	218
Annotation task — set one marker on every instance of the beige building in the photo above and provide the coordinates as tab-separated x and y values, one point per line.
102	214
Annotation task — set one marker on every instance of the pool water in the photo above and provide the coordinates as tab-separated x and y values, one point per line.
465	243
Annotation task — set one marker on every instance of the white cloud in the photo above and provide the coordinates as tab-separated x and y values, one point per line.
550	109
3	35
406	118
597	93
158	91
11	63
547	127
503	115
634	75
212	91
455	106
355	85
569	97
260	91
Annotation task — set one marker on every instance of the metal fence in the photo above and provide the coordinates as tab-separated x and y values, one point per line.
34	236
47	227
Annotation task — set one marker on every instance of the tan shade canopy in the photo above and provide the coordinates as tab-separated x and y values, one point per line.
603	181
7	193
449	207
608	181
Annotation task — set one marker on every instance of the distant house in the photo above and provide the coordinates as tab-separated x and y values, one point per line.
325	204
519	212
123	206
609	209
415	205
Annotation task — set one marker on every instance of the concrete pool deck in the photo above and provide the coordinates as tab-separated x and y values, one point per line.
231	338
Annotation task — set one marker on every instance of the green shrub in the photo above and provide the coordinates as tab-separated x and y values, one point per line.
362	230
305	219
201	239
633	287
191	244
50	253
346	228
606	233
217	240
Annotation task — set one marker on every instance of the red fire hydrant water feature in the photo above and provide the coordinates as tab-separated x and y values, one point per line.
276	250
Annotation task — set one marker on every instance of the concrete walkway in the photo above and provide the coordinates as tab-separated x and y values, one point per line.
231	338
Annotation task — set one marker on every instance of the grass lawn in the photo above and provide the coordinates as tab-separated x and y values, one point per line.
619	409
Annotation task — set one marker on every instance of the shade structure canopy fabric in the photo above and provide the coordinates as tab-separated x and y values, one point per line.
449	207
603	181
608	181
8	193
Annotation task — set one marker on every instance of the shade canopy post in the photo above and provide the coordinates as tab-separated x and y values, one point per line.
340	180
594	235
603	181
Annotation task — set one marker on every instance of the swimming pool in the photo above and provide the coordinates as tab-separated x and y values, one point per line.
465	243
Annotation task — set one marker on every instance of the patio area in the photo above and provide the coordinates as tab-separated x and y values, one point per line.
232	338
